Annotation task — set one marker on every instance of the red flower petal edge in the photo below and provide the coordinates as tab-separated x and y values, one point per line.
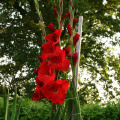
55	37
56	91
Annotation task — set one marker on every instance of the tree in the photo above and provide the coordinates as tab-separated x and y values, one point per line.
20	39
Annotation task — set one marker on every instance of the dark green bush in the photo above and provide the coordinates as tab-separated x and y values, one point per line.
40	110
29	110
96	112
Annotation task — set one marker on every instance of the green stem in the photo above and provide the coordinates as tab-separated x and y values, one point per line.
52	111
53	105
42	26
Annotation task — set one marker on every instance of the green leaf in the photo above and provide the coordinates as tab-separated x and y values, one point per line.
7	104
14	105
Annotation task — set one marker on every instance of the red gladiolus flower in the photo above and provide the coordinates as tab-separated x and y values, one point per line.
38	95
67	52
36	70
63	17
59	62
69	29
69	15
55	12
76	38
51	27
39	85
74	22
47	50
56	91
55	37
75	58
61	2
46	74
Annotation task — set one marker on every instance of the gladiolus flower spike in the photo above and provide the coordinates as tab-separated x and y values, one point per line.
52	58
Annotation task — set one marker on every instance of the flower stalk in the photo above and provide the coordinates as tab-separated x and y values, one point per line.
41	23
53	60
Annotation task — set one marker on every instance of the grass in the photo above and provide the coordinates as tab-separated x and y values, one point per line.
29	110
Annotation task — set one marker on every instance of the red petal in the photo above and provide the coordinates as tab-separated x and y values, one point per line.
45	73
59	62
47	50
56	91
49	37
55	37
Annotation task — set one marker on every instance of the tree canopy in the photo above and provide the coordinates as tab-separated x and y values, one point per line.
20	41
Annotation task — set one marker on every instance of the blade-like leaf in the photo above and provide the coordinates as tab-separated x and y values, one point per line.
7	104
14	105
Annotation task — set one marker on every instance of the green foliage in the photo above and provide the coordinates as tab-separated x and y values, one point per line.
23	109
34	110
110	111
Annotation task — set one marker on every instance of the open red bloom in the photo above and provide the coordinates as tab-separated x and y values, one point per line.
74	22
69	29
55	37
59	62
47	50
76	38
46	74
75	58
67	52
63	17
56	91
55	12
51	27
